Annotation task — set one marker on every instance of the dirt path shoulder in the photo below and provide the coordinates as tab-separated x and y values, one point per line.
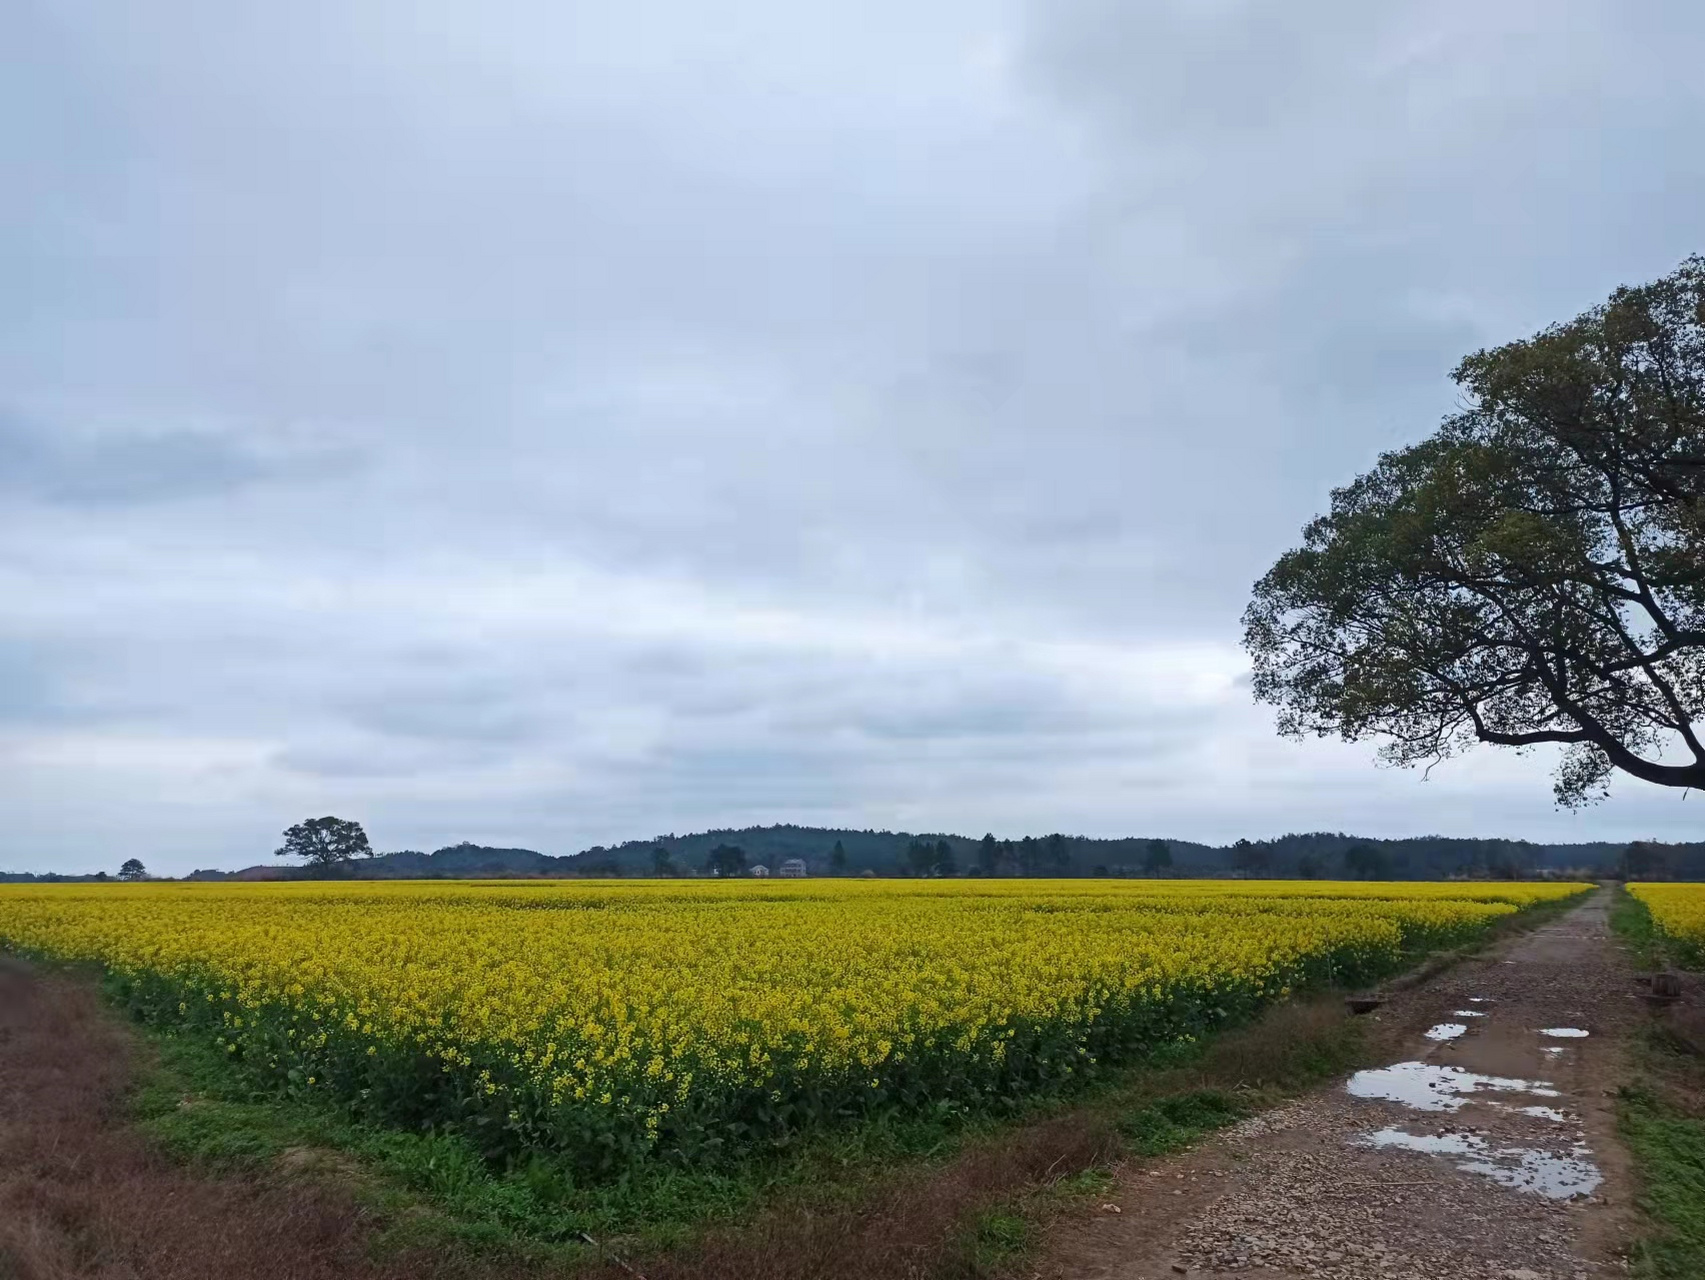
81	1195
1486	1150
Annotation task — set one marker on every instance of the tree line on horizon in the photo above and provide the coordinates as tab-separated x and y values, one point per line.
840	852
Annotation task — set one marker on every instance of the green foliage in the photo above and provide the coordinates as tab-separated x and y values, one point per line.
1362	861
1251	859
725	860
998	1238
325	842
1533	573
1668	1146
1632	920
133	870
430	1184
1644	860
1170	1124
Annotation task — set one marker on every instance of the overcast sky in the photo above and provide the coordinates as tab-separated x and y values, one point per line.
559	423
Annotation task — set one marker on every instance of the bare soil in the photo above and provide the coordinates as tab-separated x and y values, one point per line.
1303	1192
82	1196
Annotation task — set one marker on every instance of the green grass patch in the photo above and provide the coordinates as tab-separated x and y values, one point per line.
1668	1146
999	1238
1632	921
430	1188
1171	1124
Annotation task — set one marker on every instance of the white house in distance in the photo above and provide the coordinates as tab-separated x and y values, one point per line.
793	869
760	870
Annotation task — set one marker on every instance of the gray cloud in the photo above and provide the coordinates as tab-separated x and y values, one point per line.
81	469
558	424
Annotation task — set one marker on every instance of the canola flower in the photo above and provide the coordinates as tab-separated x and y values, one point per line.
683	1021
1678	911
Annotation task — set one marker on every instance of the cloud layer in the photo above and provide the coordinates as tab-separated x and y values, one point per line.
558	424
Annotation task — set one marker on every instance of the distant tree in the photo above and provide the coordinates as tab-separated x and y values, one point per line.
920	857
726	860
1528	575
1029	856
325	842
661	863
1249	858
133	870
1644	860
1099	871
1363	861
838	860
989	855
1059	857
1308	866
945	863
1157	857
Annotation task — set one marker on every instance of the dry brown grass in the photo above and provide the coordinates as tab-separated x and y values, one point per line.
82	1196
913	1229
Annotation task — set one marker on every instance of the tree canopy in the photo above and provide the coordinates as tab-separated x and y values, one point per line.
133	870
325	842
725	860
1533	573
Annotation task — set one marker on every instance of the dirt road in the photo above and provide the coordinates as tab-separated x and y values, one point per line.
1486	1150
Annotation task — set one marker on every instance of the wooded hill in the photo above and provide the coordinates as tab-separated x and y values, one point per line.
1321	855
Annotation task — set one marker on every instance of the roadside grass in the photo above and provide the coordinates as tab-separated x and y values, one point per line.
1632	921
1661	1117
944	1194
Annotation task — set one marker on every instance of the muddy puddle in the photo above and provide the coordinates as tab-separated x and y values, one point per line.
1427	1087
1556	1175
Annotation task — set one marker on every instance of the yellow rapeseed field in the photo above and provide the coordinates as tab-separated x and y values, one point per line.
1678	910
691	1020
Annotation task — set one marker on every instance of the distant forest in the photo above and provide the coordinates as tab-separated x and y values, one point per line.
829	851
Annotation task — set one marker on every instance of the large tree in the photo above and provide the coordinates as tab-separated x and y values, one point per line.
1533	573
325	842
